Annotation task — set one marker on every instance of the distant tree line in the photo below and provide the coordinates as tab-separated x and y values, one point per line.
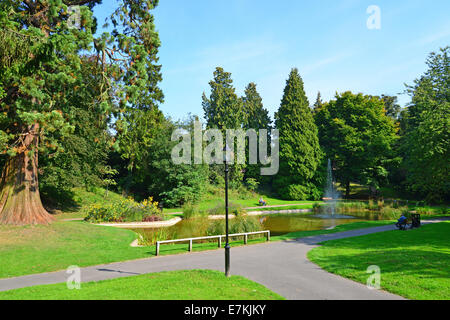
78	110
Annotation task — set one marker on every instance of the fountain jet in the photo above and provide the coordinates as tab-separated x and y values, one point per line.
331	194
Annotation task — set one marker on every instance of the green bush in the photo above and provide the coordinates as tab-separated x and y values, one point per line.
191	211
315	193
233	208
295	192
424	211
252	184
125	210
393	213
316	207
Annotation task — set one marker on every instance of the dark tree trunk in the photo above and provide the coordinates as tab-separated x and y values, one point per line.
347	189
20	202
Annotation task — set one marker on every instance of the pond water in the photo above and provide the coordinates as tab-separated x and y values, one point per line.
278	224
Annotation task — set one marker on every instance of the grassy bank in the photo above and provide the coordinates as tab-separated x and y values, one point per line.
175	285
414	264
36	249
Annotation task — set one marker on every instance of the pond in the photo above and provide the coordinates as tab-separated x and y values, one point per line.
278	224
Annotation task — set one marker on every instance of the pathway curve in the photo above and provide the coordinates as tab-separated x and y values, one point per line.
280	266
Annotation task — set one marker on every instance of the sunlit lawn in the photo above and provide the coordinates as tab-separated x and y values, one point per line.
174	285
414	264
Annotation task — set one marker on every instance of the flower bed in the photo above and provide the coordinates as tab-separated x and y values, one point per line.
126	210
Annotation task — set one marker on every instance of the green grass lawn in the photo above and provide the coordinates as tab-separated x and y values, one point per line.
37	249
174	285
414	264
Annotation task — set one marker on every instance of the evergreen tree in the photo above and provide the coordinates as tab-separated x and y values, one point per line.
427	140
391	106
39	73
257	118
318	104
43	79
300	153
224	110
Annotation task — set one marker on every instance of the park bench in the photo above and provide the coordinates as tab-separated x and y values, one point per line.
415	223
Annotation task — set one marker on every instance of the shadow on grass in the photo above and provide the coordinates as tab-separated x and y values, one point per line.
55	199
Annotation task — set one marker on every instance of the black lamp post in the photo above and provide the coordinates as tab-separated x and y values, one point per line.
226	159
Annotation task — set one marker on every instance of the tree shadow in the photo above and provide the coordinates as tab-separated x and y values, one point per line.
57	199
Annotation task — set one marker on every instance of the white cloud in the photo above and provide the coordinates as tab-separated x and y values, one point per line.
434	37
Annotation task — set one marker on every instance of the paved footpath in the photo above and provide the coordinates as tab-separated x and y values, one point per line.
280	266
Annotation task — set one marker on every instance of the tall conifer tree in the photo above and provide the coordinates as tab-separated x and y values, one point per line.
257	118
224	110
300	153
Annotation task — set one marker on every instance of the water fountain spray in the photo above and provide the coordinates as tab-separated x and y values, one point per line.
331	194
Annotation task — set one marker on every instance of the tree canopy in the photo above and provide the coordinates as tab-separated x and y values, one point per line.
53	73
357	136
426	139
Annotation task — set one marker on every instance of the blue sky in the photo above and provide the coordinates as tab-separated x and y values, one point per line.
260	41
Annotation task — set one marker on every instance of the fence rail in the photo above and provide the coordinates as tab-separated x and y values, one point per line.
219	238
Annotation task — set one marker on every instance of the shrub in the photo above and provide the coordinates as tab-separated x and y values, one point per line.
372	206
316	207
406	212
242	193
391	212
252	184
125	210
295	192
191	211
233	208
424	211
315	193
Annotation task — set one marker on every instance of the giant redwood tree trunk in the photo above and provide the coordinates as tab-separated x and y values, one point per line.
20	202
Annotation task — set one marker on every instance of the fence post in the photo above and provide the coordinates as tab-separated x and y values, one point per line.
190	245
220	242
157	248
245	238
268	235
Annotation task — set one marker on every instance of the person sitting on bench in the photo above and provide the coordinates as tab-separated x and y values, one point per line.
401	223
262	202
